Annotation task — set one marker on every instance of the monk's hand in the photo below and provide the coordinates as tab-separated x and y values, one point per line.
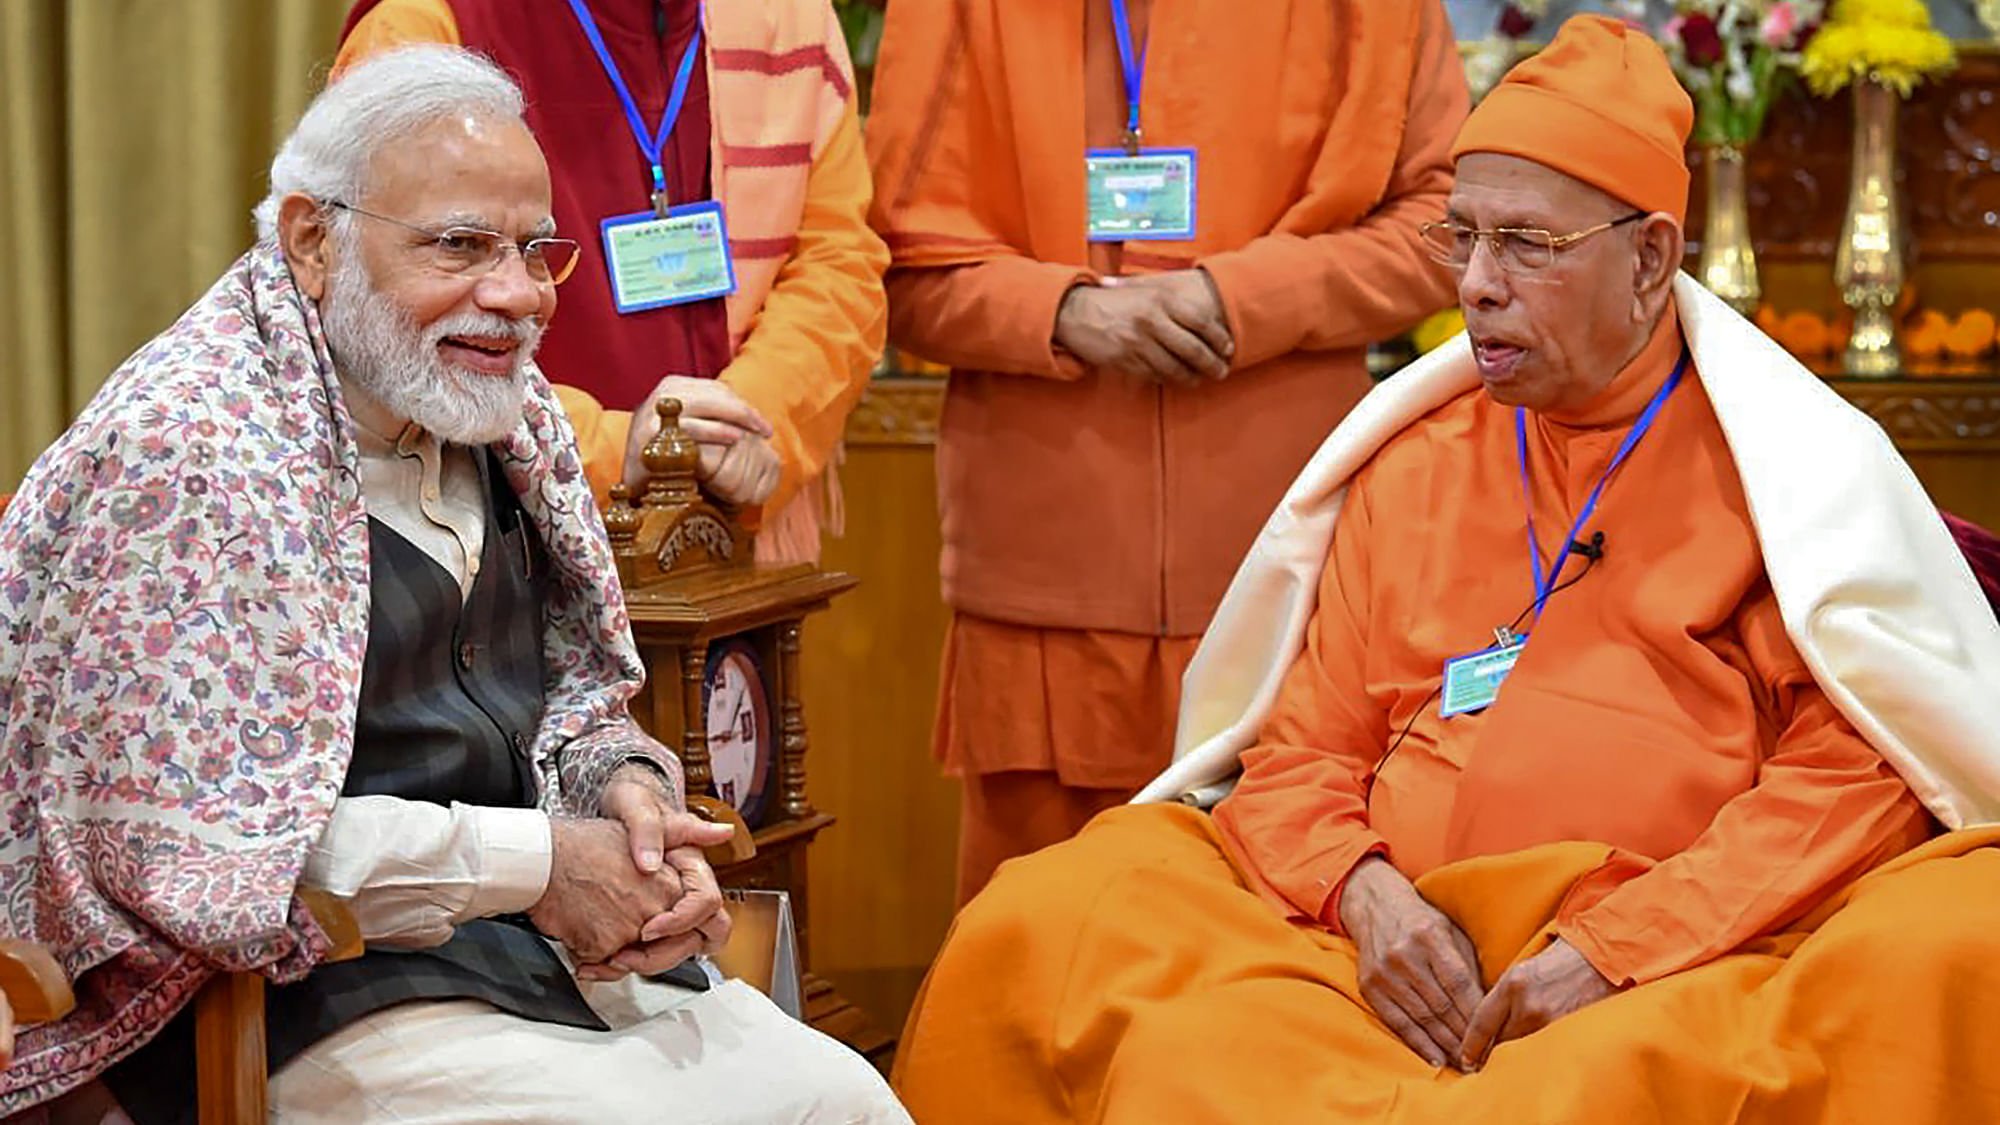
6	1032
712	414
1130	329
742	472
598	901
1530	996
1418	969
1195	304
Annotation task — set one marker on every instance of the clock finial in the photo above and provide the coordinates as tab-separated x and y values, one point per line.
671	460
621	519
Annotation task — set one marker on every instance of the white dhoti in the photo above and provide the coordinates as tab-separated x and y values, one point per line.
721	1057
727	1055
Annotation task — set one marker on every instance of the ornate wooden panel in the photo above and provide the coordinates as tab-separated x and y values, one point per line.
1931	415
898	410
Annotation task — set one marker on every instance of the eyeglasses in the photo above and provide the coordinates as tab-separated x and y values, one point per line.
471	252
1517	249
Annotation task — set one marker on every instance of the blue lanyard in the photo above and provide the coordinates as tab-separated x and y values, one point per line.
655	145
1545	587
1135	68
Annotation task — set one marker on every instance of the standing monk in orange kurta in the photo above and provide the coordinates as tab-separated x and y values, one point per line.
1146	343
1550	819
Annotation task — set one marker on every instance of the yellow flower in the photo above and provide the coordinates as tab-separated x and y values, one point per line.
1437	328
1886	41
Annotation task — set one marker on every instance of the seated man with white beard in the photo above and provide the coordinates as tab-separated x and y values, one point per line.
314	593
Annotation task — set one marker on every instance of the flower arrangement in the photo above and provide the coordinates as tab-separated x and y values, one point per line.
1732	55
1487	60
1886	41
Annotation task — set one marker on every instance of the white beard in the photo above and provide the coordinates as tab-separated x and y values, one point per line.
382	351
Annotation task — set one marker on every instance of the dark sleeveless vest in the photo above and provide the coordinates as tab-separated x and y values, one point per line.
451	698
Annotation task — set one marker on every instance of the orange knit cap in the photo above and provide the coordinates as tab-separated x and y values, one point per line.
1601	104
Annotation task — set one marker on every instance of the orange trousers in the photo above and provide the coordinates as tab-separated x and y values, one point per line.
1049	727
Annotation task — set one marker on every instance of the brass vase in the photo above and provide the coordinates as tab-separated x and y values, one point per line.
1728	262
1869	267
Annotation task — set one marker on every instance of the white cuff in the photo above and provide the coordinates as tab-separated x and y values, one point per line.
515	848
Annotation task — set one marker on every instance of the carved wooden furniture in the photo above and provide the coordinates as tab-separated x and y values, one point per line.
229	1056
1947	427
720	639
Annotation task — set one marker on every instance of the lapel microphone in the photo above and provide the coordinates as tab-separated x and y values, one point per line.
1593	550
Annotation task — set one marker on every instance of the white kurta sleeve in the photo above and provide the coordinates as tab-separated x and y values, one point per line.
413	870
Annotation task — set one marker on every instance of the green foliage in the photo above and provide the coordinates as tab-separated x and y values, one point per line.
861	23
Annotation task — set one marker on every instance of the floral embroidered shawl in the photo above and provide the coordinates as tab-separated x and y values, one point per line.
184	596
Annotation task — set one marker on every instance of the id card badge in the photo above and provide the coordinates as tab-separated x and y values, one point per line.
1140	195
1472	682
657	260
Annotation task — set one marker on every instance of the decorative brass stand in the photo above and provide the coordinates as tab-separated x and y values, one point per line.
1869	265
1728	262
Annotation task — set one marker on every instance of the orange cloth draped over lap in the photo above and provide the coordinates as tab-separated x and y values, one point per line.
1092	519
1131	977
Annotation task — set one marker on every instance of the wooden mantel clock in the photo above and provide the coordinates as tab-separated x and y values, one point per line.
720	639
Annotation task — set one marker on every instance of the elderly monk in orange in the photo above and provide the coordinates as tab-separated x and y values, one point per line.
1594	690
1137	370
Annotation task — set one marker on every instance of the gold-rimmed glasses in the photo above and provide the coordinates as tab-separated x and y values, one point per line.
474	252
1517	249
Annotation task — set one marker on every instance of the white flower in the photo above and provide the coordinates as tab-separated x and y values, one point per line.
1486	63
1740	86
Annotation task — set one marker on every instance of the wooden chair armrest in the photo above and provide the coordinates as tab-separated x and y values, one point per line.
336	921
34	984
38	990
740	846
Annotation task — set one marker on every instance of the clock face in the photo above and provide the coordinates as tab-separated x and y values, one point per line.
740	735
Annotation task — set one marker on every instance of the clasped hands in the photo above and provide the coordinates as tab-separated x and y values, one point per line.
630	892
1420	974
737	462
1168	327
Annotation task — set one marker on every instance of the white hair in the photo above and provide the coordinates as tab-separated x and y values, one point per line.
381	101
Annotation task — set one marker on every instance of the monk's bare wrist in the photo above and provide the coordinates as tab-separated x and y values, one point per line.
1363	893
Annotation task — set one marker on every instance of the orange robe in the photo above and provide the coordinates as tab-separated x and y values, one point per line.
1091	520
1659	712
1659	707
808	321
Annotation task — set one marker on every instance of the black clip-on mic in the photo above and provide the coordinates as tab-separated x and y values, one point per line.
1593	550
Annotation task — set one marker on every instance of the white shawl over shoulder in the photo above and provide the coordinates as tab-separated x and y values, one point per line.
1874	593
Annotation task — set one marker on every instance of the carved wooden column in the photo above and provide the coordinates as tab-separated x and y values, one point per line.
792	726
694	720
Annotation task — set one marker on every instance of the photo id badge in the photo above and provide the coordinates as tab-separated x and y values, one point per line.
657	261
1147	194
1472	683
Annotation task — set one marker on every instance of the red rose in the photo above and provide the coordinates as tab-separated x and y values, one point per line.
1514	23
1700	40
